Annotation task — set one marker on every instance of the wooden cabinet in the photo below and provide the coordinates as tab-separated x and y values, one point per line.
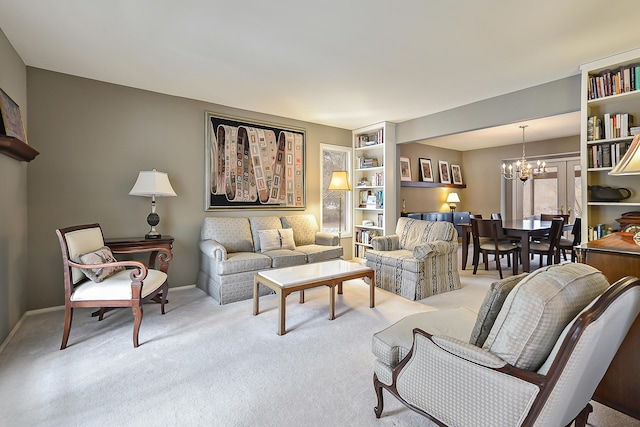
599	104
617	256
375	184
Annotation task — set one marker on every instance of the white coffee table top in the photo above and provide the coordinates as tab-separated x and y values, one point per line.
290	276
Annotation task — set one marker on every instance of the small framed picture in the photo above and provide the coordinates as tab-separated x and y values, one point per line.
445	178
456	174
426	173
11	118
405	169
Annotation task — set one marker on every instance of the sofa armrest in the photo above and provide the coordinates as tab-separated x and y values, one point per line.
439	247
213	249
326	239
386	243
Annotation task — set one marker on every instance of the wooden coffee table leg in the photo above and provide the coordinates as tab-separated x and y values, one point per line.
372	287
340	288
282	308
301	296
256	296
332	302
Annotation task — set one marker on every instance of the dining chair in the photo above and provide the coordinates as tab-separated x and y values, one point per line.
549	247
570	244
488	238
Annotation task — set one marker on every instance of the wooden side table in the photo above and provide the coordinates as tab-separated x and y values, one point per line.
125	245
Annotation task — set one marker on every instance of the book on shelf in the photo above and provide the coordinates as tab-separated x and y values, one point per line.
610	126
614	82
607	154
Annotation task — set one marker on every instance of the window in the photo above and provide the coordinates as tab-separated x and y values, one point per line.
334	158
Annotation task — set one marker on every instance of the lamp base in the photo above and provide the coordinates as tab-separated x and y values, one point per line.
150	236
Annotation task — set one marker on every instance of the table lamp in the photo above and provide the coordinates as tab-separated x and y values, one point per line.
452	199
340	182
152	184
629	165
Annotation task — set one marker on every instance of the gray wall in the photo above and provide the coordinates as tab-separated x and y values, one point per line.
94	137
13	201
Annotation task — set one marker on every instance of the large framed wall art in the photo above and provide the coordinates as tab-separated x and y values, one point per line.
253	165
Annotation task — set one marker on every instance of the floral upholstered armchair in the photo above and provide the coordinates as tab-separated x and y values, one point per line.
419	260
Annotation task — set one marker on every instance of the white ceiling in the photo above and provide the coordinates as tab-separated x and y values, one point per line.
344	63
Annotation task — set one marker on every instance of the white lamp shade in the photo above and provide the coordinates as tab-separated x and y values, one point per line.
453	198
152	183
339	181
630	162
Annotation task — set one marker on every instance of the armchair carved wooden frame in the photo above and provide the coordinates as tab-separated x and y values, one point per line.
131	287
555	397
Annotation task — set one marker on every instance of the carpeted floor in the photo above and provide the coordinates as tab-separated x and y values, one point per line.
204	364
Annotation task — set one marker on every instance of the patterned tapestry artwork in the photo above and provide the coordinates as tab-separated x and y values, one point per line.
253	165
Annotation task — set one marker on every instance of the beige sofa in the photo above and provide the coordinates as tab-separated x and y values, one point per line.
232	250
419	260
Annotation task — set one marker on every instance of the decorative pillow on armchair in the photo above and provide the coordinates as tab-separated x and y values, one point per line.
100	256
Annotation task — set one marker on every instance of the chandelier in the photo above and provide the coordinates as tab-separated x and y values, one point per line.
522	169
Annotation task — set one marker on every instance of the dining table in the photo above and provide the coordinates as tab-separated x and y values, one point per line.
522	228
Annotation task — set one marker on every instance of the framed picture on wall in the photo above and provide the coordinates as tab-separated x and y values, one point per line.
426	172
456	174
253	165
445	178
11	119
405	169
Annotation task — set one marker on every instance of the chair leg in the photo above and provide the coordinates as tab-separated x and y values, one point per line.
378	388
137	319
68	316
498	266
581	419
163	300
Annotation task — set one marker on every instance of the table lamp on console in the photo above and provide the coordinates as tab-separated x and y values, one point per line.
629	165
152	184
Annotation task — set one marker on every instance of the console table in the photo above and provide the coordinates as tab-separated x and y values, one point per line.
124	244
617	256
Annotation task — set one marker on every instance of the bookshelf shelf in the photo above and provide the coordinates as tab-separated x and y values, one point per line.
430	184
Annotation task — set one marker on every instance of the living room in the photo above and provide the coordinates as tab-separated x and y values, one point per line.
94	136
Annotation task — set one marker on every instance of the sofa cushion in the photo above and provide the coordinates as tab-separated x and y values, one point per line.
240	262
319	253
538	309
286	239
269	240
232	233
281	258
392	344
259	223
491	306
99	256
304	228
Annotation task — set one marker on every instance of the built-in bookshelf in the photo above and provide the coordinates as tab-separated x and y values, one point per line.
375	185
610	105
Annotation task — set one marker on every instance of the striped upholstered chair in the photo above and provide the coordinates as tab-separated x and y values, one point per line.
532	356
419	260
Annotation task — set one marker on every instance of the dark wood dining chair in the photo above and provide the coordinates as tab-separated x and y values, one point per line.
550	246
488	239
570	244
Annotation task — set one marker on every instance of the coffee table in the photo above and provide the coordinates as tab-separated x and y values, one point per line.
291	279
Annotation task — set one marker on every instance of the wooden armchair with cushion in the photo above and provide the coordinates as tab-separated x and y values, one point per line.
532	356
93	277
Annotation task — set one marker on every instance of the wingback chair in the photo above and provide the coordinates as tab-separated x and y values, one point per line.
532	356
93	277
419	260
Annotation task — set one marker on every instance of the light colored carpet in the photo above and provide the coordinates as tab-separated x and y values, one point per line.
204	364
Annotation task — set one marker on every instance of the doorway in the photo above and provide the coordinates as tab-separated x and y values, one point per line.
556	191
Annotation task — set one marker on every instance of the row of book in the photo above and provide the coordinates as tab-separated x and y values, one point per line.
614	82
370	139
609	126
364	236
360	251
367	162
607	155
598	231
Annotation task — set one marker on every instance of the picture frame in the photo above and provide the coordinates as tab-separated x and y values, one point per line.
445	176
405	169
253	165
456	174
426	170
11	118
